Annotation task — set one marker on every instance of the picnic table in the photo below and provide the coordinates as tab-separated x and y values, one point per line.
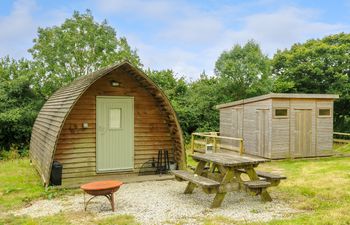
224	174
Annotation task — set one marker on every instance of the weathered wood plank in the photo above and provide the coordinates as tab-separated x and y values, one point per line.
194	178
257	184
229	159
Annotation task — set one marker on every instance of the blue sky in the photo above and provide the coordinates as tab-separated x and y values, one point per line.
186	36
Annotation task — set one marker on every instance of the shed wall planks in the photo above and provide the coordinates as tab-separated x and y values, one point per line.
277	137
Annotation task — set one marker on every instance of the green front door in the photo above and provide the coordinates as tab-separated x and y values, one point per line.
114	133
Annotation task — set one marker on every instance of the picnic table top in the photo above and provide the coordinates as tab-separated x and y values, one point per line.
101	185
229	159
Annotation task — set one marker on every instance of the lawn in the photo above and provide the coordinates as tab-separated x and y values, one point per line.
318	187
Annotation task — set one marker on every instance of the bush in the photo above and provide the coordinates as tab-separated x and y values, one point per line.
11	154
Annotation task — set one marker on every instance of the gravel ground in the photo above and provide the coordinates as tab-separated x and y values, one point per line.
158	202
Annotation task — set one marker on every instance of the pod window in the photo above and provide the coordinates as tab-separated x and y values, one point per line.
115	118
324	112
281	113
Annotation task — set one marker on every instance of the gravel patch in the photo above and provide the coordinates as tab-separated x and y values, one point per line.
158	202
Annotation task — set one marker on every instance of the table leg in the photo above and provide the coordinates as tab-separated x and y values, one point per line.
212	168
199	169
265	196
220	195
251	173
219	198
239	180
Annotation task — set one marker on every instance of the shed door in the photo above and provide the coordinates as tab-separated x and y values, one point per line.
114	134
262	132
303	133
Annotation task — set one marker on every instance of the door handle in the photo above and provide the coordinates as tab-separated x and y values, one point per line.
102	130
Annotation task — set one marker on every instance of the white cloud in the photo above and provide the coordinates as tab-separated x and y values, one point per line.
192	38
17	27
19	21
200	30
282	28
275	30
177	59
184	36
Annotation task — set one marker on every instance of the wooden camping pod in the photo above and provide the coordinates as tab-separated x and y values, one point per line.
58	132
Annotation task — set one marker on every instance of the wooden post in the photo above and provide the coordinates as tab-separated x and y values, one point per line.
220	195
214	144
241	149
192	144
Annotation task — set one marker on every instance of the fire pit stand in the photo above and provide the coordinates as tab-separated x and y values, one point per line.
101	188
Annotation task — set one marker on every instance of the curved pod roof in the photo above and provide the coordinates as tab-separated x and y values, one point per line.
51	118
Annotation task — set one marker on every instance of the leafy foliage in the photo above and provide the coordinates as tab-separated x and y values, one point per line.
81	45
60	54
204	94
245	71
241	72
318	66
174	88
77	47
19	103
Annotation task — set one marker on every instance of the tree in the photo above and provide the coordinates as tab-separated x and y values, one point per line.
246	71
318	66
173	87
19	103
198	110
176	89
77	47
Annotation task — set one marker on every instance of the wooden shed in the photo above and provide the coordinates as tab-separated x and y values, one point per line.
105	125
281	125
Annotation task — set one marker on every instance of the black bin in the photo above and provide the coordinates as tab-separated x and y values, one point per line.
56	173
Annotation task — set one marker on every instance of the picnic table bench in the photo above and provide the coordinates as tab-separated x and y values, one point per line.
273	178
224	174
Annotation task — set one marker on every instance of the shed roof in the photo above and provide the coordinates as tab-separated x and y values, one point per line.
52	116
278	95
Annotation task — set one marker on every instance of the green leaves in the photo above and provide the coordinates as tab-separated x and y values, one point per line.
77	47
60	54
318	66
245	71
19	102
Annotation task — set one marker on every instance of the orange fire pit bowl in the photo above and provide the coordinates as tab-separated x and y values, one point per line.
101	188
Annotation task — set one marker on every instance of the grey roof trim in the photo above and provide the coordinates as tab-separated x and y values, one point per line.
278	95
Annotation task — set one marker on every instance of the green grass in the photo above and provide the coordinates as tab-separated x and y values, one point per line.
68	218
20	184
57	219
319	187
341	148
117	220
